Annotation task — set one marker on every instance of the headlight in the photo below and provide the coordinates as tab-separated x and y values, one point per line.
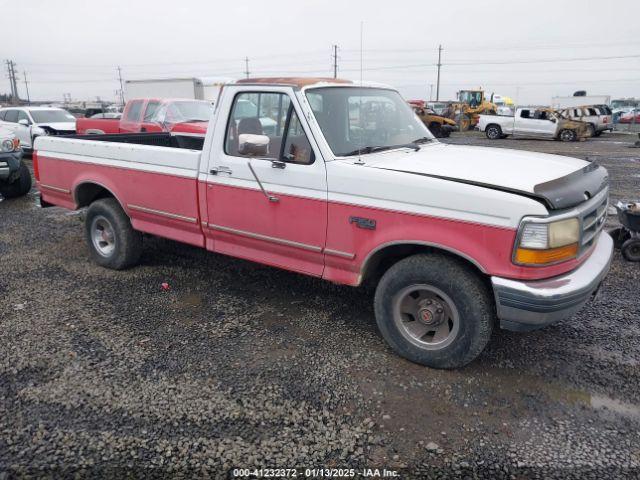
8	145
547	243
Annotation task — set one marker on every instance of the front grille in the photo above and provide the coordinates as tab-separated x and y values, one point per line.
592	222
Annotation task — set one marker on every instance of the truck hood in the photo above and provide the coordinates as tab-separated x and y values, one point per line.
68	126
560	182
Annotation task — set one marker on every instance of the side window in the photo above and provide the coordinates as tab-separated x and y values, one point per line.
592	111
23	116
258	114
524	114
2	114
12	116
152	108
297	148
133	114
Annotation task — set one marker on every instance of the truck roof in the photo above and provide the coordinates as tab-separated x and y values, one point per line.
293	81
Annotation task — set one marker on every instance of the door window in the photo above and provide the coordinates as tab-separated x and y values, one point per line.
524	114
272	115
133	114
12	116
23	116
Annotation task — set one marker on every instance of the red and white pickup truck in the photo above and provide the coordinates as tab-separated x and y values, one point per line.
153	115
350	186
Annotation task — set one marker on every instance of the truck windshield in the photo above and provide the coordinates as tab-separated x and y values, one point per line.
189	111
358	120
52	116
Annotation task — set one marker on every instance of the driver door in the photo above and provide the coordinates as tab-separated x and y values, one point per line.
270	208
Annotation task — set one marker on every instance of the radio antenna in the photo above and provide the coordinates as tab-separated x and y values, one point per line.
359	161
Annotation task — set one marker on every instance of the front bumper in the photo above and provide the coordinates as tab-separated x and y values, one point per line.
528	305
9	165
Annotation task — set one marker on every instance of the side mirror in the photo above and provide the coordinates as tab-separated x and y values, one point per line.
253	145
23	122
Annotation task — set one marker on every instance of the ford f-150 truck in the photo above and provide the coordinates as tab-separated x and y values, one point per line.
152	115
351	187
533	122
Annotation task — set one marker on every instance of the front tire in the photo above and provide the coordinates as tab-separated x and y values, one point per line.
20	186
436	130
112	241
568	136
493	132
434	310
631	249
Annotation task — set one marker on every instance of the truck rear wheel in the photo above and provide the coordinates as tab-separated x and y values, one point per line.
112	241
18	187
434	310
493	132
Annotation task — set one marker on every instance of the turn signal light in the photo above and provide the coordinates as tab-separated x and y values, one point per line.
528	256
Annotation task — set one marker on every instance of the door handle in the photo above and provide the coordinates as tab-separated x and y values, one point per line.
220	169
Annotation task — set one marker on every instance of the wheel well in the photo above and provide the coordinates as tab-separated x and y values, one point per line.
381	260
89	192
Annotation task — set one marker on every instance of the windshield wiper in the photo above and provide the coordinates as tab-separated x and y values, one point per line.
381	148
422	140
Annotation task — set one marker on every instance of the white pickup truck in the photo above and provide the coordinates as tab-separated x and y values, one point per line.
534	123
351	187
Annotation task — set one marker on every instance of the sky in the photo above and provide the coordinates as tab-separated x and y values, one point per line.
527	50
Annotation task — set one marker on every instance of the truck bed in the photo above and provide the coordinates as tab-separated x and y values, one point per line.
153	176
159	139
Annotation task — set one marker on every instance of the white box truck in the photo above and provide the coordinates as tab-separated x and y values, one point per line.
197	88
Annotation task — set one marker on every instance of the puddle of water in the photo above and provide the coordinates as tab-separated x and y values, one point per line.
595	401
624	409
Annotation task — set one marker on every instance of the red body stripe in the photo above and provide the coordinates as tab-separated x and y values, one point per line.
489	247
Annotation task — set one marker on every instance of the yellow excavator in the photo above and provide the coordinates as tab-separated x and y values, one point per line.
470	104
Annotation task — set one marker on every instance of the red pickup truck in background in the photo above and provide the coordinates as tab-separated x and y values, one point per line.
153	115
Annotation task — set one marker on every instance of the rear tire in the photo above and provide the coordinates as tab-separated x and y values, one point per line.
19	187
493	132
112	241
441	297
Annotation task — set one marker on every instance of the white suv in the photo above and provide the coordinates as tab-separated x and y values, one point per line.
27	123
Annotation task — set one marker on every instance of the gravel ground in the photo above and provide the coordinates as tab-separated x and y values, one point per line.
105	374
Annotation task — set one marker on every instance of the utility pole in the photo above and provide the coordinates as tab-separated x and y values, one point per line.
430	91
335	61
246	66
439	65
121	87
26	86
11	68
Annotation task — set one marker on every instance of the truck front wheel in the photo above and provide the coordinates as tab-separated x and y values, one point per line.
113	243
568	136
434	310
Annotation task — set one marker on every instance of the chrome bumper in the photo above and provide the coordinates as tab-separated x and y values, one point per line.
528	305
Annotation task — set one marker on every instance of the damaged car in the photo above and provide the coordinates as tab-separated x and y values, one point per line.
28	123
15	178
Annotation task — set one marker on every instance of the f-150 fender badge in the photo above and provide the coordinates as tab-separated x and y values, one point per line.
366	223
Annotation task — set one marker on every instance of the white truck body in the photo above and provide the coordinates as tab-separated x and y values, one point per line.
325	194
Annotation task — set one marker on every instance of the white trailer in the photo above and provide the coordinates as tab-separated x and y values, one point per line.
205	88
573	101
